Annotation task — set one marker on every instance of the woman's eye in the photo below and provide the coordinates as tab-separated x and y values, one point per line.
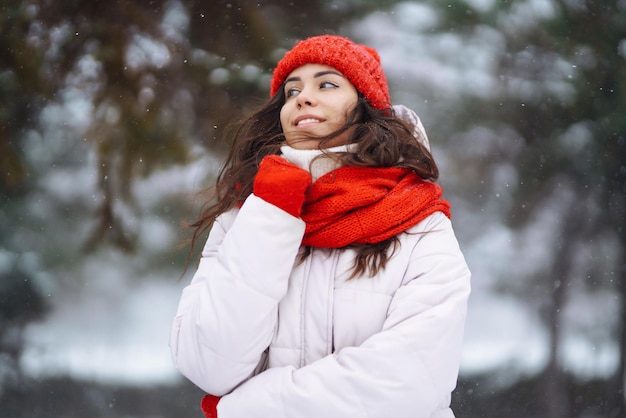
291	92
327	85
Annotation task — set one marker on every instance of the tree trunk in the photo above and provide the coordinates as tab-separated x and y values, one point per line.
617	398
556	403
556	400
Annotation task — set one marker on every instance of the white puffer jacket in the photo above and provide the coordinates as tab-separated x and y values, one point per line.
278	339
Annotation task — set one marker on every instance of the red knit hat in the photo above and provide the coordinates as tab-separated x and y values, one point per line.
358	63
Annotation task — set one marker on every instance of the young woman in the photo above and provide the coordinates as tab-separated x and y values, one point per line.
331	283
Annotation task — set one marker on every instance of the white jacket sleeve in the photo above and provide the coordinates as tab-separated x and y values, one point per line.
407	370
242	275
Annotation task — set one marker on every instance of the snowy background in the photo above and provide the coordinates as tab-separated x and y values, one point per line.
111	312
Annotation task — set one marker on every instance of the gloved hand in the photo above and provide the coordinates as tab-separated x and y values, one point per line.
282	184
209	406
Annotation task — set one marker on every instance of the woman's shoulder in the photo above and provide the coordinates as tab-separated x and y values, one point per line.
226	219
433	222
433	235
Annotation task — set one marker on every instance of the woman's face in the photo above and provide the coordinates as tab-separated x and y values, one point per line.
318	99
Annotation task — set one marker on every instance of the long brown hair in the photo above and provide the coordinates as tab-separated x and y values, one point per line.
383	140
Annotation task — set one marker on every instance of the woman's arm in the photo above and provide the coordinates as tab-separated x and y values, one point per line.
407	370
227	315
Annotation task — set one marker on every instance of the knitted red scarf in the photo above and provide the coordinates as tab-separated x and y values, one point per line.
366	205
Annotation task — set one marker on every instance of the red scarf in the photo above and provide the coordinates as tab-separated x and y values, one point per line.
367	205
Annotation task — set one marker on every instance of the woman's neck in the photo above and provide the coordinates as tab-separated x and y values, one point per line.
315	161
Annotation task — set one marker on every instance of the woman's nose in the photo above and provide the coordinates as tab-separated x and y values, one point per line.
305	98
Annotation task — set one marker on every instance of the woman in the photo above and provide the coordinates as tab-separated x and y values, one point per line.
331	283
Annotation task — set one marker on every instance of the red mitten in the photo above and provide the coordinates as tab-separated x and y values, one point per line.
209	406
282	184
